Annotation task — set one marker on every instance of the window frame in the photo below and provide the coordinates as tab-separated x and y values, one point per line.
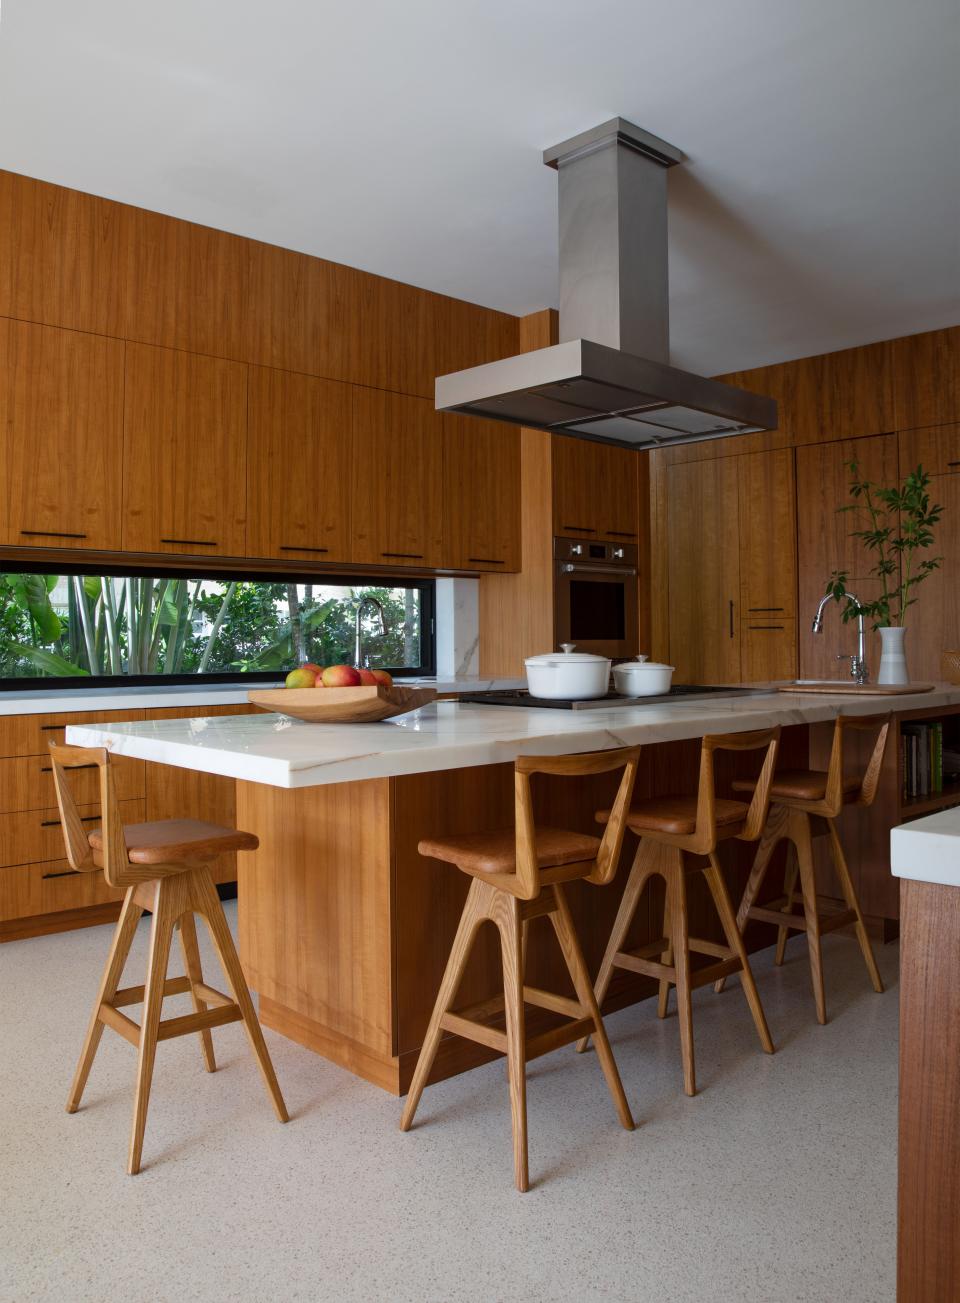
72	682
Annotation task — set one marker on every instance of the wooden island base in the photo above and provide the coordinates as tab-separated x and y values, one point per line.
345	929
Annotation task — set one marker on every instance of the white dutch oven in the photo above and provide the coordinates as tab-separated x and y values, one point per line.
642	678
568	674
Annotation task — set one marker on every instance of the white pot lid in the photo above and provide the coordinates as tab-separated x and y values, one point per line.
641	663
566	656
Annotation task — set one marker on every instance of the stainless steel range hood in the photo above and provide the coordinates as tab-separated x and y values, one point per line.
611	379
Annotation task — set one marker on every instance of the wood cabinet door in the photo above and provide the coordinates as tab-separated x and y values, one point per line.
768	649
704	571
185	453
824	544
935	447
926	378
61	437
298	453
617	507
481	494
768	536
933	623
396	478
594	489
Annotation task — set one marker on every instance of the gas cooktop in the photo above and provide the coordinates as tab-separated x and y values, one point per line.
521	697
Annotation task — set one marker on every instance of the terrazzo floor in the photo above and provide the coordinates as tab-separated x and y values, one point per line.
776	1183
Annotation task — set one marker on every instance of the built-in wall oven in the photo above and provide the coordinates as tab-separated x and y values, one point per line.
595	596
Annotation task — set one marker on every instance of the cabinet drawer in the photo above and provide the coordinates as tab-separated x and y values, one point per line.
935	447
35	836
49	887
768	650
29	735
27	783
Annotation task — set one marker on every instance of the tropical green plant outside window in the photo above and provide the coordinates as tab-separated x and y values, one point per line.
101	626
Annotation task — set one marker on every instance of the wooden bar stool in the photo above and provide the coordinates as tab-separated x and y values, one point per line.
518	874
806	803
163	866
668	827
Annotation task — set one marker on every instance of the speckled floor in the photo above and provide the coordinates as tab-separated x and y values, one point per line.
776	1183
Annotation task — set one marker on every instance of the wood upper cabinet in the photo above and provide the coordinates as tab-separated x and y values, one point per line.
933	623
768	534
936	448
184	461
595	489
396	479
298	466
926	371
481	494
704	570
61	437
840	395
824	544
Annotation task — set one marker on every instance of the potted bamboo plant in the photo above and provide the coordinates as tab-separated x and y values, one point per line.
897	528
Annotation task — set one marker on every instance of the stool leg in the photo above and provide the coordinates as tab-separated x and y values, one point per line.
206	902
680	931
169	900
850	896
721	898
663	998
808	886
130	914
508	922
789	886
639	872
577	968
772	834
473	915
191	962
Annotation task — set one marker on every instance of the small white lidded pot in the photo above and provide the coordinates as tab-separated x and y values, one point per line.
568	675
642	678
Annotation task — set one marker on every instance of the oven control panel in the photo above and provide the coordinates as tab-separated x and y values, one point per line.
588	550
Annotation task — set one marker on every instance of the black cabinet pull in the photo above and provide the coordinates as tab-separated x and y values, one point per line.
298	547
48	769
193	542
486	560
64	873
949	463
621	533
49	533
51	728
84	818
731	617
581	529
410	556
761	610
753	627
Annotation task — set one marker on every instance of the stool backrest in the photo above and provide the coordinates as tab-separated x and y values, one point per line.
116	866
527	885
833	797
704	838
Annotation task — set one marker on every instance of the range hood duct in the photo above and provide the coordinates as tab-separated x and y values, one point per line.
611	378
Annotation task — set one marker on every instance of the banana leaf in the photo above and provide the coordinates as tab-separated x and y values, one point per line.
47	661
31	593
280	652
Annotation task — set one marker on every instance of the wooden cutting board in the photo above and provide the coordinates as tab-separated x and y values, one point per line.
859	689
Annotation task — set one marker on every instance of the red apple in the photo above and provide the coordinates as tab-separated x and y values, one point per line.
309	665
302	677
368	678
341	676
383	677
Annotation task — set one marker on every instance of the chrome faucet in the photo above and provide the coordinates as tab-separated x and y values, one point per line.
858	662
362	606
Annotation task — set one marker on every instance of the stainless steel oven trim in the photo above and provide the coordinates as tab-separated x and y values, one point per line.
585	567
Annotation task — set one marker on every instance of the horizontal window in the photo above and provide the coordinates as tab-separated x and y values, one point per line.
83	629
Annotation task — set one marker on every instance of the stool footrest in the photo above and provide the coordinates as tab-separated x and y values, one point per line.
638	963
197	1022
828	922
797	922
475	1031
555	1003
119	1022
701	947
495	1039
558	1036
729	963
134	994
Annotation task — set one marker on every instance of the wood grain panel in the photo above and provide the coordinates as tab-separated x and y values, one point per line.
61	437
768	535
933	624
63	262
768	648
35	835
26	783
184	437
824	544
396	480
927	378
934	447
298	466
928	1196
315	924
842	395
704	571
481	494
48	889
30	735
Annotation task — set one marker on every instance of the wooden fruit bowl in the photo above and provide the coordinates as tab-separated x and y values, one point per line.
363	705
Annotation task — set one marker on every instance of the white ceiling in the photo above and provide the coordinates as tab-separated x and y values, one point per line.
818	207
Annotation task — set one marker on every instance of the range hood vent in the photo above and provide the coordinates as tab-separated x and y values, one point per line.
611	379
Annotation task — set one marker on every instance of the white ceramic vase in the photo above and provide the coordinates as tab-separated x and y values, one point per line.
893	662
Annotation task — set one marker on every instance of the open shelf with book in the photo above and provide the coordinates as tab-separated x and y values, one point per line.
928	762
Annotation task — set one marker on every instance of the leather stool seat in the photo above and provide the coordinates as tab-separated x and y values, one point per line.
801	785
175	841
496	852
678	814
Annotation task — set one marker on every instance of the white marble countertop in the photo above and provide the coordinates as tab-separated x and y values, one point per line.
47	701
283	752
928	849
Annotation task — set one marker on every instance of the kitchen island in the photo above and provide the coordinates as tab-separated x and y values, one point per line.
345	928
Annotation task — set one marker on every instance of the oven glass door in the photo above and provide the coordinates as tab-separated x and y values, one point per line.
598	612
